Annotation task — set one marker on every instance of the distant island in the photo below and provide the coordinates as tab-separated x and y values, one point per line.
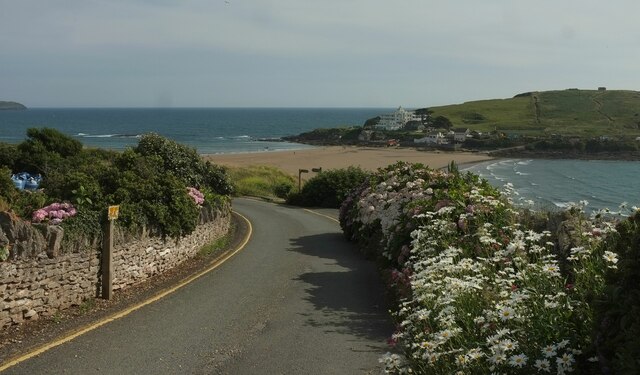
571	123
11	106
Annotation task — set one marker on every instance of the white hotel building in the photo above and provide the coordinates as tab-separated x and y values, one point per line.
397	119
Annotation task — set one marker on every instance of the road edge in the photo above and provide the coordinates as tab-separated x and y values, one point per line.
215	263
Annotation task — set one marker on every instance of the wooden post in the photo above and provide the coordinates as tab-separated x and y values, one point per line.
107	260
107	253
300	172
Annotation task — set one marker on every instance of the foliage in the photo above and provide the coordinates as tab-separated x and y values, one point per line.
618	329
441	122
7	188
8	154
328	135
261	181
4	253
82	229
282	189
329	188
184	163
24	203
151	197
46	149
213	247
477	291
149	182
371	122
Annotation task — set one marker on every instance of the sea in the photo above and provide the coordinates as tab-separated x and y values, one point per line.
558	184
208	130
549	184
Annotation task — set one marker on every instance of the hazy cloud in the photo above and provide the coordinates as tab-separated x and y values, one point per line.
298	53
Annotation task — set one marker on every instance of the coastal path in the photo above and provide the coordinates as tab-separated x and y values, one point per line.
297	299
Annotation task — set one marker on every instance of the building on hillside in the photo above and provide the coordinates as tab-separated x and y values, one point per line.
460	134
397	119
434	138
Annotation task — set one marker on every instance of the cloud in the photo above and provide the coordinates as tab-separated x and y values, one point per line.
404	45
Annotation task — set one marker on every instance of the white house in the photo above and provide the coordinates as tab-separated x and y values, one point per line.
436	138
397	119
460	134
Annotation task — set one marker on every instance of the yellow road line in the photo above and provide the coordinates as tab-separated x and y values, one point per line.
323	215
214	264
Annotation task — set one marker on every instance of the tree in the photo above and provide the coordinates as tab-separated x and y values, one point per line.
372	122
424	113
442	122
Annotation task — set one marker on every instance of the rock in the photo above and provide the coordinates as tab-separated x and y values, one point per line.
31	315
53	235
27	241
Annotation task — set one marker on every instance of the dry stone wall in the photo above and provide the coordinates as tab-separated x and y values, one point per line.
40	278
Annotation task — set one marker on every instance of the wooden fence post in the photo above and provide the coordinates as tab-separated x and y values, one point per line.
107	253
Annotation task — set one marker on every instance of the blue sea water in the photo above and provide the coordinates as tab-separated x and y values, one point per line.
209	130
554	184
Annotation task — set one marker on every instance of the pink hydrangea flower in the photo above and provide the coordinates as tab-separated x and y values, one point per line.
55	213
197	196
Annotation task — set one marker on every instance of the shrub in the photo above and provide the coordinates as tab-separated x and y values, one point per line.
283	189
8	155
184	163
477	292
149	182
618	329
46	149
330	188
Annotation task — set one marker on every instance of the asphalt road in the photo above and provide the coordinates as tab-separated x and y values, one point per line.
297	300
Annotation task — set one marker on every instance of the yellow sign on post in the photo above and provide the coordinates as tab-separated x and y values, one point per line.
113	212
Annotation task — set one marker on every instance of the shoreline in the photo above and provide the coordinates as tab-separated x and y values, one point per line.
334	157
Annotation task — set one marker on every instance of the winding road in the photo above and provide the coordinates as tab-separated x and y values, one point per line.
298	299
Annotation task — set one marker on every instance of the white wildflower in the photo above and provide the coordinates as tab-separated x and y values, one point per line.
611	258
549	351
518	360
507	313
543	365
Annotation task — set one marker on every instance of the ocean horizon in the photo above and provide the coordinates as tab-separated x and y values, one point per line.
208	130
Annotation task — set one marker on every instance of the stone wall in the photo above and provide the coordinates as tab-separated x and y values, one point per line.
41	278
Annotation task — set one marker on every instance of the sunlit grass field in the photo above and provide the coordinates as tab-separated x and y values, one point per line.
260	181
567	112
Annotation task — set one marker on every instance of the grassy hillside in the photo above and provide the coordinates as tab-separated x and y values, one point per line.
567	112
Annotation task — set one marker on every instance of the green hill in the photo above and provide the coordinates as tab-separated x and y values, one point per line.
566	112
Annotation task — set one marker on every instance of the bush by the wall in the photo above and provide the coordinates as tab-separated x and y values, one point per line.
149	182
184	163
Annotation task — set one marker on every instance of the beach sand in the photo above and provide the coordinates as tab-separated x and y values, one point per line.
333	157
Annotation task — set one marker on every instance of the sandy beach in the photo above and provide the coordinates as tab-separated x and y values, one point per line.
332	157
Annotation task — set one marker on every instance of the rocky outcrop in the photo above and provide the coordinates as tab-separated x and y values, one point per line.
11	106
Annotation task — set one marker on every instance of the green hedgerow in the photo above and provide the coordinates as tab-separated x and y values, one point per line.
329	188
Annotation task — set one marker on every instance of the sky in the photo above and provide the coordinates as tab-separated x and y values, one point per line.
300	53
